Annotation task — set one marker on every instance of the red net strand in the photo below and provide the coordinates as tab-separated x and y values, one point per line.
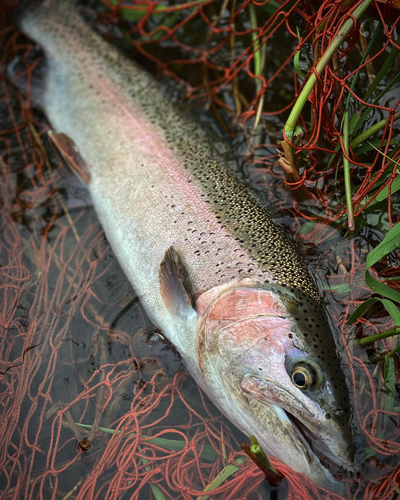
68	350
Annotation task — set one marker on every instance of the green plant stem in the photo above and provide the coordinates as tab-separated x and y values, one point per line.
347	177
371	131
261	455
312	80
379	336
375	359
256	52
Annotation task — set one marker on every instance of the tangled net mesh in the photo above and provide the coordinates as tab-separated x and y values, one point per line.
67	350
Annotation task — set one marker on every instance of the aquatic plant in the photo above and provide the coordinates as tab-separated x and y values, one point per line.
66	304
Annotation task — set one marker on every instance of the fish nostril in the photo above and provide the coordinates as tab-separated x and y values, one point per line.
340	412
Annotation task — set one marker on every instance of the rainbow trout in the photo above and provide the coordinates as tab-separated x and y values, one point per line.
215	273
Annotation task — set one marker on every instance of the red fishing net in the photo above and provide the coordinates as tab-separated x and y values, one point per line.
75	345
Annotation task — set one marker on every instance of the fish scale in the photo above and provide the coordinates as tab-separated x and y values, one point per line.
190	236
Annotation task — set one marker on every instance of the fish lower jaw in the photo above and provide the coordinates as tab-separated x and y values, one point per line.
305	438
327	460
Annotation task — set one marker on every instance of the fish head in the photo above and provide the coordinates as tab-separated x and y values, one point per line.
271	352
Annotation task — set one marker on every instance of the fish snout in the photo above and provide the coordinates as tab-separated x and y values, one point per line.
325	433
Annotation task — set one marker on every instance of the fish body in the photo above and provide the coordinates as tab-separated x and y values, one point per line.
215	273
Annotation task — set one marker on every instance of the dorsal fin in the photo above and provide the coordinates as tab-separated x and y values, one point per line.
175	286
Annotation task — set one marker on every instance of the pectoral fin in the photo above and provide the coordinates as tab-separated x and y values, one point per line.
175	285
71	155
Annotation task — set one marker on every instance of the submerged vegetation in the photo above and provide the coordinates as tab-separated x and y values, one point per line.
298	78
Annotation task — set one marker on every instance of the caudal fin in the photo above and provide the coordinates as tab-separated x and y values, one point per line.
45	20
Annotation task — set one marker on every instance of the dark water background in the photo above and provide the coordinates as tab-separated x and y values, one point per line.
77	307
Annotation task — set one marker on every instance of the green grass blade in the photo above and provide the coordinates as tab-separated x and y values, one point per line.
390	242
347	177
385	155
136	14
392	309
256	42
383	71
208	452
389	388
382	195
395	185
382	289
359	120
158	494
354	118
375	144
341	288
226	472
169	23
296	61
271	7
387	304
334	156
361	310
389	383
372	130
374	37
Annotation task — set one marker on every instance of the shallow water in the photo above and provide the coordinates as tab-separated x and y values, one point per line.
78	347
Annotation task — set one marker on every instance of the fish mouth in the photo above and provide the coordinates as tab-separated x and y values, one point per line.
318	447
316	440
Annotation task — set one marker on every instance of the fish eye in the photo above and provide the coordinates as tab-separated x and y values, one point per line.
303	376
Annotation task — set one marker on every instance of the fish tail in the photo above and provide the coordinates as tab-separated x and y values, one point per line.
42	19
28	9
